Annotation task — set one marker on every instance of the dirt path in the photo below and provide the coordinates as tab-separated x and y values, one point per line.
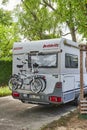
15	115
72	121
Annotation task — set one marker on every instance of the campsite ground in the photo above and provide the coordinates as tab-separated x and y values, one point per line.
15	115
73	121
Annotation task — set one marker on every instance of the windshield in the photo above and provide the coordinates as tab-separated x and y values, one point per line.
44	60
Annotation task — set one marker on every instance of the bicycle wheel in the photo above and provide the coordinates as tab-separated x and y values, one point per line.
43	83
36	85
12	84
15	82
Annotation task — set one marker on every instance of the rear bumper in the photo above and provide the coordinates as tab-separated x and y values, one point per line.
29	97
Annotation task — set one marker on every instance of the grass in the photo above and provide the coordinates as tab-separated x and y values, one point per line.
82	116
5	73
4	91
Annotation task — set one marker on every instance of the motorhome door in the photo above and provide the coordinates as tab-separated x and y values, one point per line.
68	88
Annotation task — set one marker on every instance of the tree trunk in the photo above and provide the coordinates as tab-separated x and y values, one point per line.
73	34
72	31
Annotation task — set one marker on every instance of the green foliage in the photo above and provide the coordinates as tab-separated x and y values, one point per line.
5	17
4	91
8	33
37	22
4	2
44	18
5	71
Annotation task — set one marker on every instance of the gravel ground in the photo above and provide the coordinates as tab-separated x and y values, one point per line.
15	115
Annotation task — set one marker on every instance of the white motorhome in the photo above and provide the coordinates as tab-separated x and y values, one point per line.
56	63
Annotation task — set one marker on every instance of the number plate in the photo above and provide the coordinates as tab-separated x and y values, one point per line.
34	96
25	95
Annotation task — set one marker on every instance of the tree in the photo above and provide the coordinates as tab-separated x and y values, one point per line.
37	22
82	18
37	18
71	13
8	33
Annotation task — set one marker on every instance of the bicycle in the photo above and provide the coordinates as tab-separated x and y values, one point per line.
36	82
15	80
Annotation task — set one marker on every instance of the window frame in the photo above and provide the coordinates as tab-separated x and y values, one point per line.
70	64
42	54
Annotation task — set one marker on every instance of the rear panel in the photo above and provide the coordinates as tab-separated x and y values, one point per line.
45	60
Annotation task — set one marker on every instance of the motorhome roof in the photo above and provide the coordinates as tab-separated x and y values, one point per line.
41	45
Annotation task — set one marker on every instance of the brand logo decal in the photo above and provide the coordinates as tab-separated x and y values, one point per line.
50	45
18	48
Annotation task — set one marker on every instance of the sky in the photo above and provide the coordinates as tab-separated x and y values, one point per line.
11	4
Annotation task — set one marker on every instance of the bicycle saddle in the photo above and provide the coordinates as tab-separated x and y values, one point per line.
19	66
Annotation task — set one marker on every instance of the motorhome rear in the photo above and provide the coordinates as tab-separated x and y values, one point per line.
56	63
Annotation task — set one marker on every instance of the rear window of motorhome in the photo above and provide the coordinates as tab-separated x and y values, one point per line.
71	61
43	60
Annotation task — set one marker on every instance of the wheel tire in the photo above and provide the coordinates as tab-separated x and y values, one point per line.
15	82
12	83
77	101
36	85
43	84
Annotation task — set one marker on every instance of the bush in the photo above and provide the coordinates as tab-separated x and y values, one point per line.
4	91
5	71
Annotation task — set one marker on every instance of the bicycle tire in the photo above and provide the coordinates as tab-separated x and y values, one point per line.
15	82
36	85
44	84
11	83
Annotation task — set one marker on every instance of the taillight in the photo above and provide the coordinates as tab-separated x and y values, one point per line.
15	94
58	84
55	99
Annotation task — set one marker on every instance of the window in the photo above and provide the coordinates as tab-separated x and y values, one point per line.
71	61
43	60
